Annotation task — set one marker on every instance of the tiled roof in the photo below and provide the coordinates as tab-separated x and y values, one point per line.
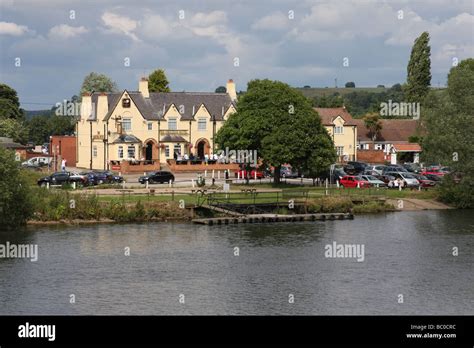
407	147
126	138
392	130
328	115
152	108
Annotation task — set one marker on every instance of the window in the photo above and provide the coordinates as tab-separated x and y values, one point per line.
126	103
131	151
167	151
127	124
202	124
172	124
150	126
340	150
94	151
378	146
358	146
177	149
338	130
365	146
120	152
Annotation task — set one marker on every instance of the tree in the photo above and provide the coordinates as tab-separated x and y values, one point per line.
396	87
448	139
6	92
281	125
350	85
14	129
98	83
157	81
9	103
373	124
15	202
221	89
419	70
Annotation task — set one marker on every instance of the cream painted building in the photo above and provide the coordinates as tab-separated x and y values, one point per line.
343	131
149	128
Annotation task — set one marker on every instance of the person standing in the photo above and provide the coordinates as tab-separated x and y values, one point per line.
63	165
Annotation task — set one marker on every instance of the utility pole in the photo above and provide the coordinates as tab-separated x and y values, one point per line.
335	82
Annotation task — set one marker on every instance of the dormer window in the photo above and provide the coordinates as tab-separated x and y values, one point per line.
126	102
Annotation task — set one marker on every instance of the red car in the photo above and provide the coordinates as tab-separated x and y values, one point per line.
424	181
436	171
251	175
354	181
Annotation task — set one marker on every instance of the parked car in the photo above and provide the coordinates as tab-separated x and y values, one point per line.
386	178
354	181
288	172
337	174
370	172
91	177
435	170
433	177
355	167
62	178
412	167
156	177
408	179
424	181
37	162
113	178
378	168
249	174
394	168
374	181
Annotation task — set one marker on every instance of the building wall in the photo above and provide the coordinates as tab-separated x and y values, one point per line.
65	147
347	139
101	153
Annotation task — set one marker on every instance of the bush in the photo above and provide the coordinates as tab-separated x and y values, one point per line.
460	195
15	206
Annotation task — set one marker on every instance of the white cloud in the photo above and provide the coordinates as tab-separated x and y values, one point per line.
274	21
8	28
120	24
201	19
65	31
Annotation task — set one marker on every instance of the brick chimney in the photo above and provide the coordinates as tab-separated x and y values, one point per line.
231	90
143	87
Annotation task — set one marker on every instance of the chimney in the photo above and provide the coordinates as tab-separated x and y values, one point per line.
102	106
143	87
86	106
231	90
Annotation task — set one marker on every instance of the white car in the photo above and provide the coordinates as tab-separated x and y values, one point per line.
37	162
408	179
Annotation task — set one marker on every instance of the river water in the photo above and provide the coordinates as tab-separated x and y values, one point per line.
405	253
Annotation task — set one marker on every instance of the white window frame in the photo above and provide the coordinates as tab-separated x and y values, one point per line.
130	147
173	121
94	151
120	152
127	126
150	125
340	150
202	121
167	151
339	130
378	147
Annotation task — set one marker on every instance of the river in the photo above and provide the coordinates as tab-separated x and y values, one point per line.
405	253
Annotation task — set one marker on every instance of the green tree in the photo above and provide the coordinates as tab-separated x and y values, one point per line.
448	139
373	124
350	85
6	92
419	70
281	125
14	129
221	89
98	83
9	103
157	81
15	203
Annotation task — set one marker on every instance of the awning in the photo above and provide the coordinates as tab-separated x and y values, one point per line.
127	138
173	139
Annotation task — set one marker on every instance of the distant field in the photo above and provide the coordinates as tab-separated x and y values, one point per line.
319	92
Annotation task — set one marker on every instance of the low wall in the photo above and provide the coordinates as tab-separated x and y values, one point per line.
140	167
200	167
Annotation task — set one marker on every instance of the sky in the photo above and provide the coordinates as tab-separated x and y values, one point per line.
47	47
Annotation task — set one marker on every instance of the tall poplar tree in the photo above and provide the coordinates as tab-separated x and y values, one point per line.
419	70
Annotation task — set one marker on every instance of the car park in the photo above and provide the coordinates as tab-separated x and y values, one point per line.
63	178
394	168
378	168
355	167
288	172
351	181
249	174
157	177
412	167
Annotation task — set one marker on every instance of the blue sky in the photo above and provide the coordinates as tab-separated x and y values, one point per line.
197	43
